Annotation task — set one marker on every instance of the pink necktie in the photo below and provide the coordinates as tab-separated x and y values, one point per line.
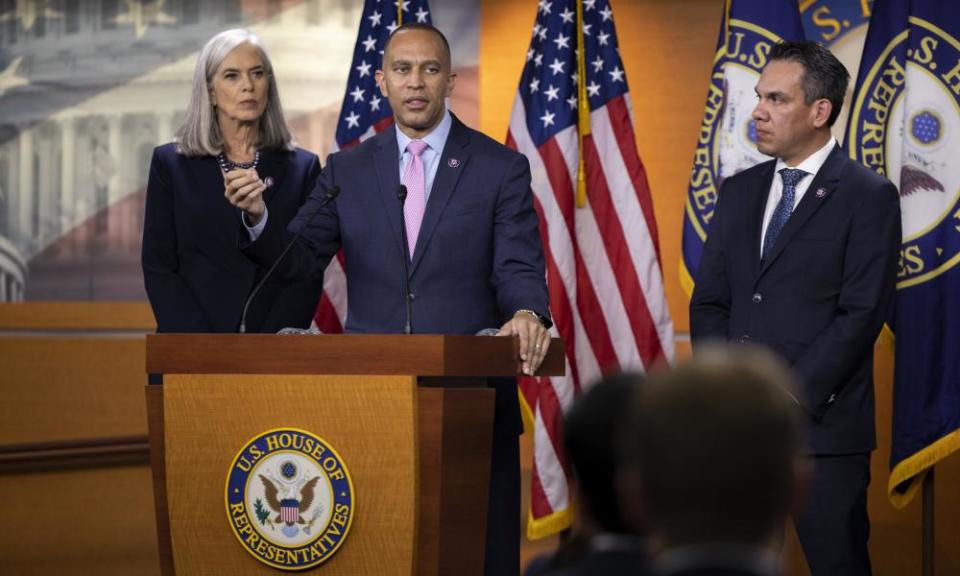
416	202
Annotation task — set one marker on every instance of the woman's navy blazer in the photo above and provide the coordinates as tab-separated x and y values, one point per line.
196	277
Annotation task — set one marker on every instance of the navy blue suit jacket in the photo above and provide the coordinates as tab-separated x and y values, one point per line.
478	257
196	277
819	299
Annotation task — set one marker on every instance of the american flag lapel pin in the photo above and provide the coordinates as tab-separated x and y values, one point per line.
453	162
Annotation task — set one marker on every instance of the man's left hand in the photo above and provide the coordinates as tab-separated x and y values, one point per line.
534	339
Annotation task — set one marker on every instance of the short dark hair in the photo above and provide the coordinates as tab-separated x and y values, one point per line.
823	75
590	432
714	442
426	28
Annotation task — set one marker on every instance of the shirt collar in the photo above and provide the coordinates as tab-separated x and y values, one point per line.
813	162
435	139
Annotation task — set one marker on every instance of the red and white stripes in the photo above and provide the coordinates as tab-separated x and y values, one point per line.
604	275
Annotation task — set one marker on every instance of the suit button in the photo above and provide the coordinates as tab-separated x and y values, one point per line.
413	296
757	298
744	339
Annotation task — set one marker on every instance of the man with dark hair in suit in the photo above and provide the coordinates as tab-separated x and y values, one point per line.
475	256
712	455
802	258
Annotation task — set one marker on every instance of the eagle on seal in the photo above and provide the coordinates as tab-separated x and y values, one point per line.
272	493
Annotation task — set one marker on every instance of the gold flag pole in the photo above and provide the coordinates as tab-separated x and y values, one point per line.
726	24
399	12
583	108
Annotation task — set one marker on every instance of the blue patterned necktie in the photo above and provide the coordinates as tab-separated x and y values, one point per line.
791	177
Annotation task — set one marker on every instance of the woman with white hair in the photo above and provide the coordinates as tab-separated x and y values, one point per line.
196	277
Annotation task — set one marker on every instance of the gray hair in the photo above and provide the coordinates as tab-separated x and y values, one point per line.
200	133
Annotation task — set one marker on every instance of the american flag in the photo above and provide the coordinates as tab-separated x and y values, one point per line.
365	112
603	263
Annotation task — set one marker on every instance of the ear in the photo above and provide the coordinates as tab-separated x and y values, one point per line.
451	83
822	109
378	77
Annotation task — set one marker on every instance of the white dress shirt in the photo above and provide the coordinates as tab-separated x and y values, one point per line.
811	166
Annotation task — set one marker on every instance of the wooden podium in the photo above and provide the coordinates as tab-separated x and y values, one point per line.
410	416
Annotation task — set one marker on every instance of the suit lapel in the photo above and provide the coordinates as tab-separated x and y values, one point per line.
386	159
819	192
453	162
207	185
757	207
273	165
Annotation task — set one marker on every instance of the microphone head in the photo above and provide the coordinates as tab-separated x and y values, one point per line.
333	191
402	193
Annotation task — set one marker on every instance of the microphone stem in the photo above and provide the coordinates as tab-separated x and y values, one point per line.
327	198
405	248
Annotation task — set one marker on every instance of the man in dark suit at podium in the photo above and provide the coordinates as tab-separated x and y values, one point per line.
802	258
464	213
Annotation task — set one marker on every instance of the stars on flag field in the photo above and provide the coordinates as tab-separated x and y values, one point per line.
142	15
29	11
362	105
550	75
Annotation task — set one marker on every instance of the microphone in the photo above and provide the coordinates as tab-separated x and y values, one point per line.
402	196
331	193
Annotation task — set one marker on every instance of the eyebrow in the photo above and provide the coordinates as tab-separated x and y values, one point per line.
257	67
770	93
424	63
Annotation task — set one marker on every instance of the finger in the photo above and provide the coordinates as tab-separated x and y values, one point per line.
543	342
506	329
523	331
233	186
249	194
535	347
233	175
241	183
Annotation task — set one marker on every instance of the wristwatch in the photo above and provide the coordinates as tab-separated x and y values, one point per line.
543	320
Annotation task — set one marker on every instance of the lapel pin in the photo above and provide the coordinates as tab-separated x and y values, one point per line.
268	181
453	162
821	192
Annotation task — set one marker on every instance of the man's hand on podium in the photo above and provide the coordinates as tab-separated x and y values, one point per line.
534	339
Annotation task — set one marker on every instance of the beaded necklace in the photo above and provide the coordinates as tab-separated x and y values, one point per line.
228	165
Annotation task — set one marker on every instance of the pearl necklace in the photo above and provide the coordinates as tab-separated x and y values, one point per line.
228	165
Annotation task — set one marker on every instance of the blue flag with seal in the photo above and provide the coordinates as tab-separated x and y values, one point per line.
841	27
727	140
905	124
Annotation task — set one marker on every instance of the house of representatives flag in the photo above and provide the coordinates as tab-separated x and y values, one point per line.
905	124
841	27
726	143
364	113
573	121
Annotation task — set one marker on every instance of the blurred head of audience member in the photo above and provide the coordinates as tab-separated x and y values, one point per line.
600	541
712	455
